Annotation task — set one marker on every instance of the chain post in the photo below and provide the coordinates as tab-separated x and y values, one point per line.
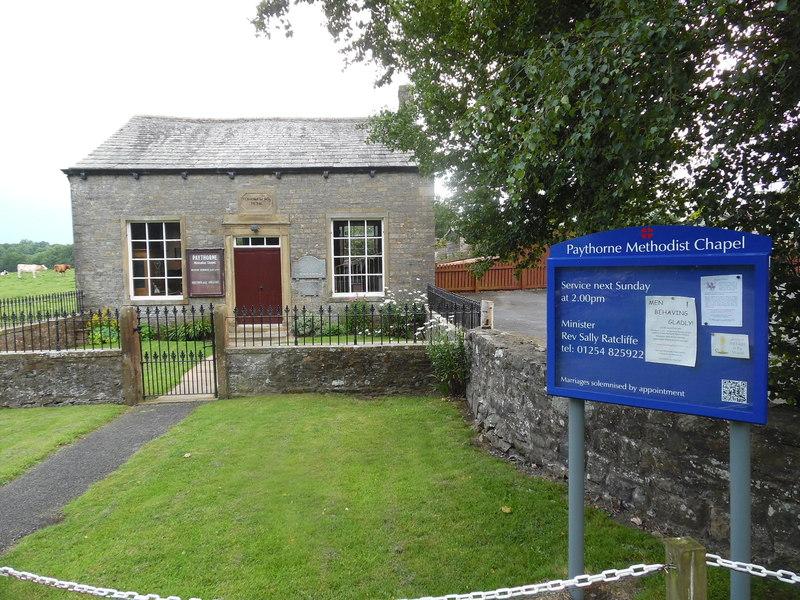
689	580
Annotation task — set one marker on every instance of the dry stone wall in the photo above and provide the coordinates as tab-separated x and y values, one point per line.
670	470
395	369
61	378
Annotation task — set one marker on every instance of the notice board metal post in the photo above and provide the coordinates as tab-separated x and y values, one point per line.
669	318
740	497
576	490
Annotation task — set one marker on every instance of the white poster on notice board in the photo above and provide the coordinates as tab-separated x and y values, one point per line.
671	330
721	300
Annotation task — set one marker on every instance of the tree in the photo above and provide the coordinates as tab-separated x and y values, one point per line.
445	217
55	254
553	119
26	251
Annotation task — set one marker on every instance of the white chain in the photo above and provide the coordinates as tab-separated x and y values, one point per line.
714	560
527	590
554	586
549	587
81	588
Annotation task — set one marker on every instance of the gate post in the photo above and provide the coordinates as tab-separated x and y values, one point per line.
221	339
131	345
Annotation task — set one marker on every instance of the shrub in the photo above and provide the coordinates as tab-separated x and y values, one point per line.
200	329
147	332
306	325
403	318
450	361
332	329
103	328
358	316
402	321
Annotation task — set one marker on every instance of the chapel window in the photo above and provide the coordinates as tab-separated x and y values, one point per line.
358	257
156	256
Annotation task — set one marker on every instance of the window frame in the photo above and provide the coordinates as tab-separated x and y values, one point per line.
257	241
342	247
157	247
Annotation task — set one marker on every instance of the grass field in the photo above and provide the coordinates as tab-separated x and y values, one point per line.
329	497
46	282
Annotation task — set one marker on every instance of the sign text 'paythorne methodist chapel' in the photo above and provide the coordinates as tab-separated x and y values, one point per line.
670	318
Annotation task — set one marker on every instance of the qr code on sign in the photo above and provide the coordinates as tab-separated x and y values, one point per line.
734	391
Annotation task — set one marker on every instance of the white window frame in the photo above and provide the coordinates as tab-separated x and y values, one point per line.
156	258
257	241
355	256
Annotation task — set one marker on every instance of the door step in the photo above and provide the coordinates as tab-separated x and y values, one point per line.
260	335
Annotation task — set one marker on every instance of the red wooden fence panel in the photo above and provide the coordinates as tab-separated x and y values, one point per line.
456	277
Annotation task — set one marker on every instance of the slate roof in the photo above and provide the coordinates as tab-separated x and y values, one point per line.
168	143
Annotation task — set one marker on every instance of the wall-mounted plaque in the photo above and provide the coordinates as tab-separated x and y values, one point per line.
308	288
205	270
259	202
309	267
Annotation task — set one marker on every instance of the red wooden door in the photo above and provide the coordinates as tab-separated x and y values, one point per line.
257	272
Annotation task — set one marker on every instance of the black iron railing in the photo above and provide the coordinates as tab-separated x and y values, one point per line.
456	309
46	331
354	323
53	304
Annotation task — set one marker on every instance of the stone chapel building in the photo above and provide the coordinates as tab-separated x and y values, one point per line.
250	212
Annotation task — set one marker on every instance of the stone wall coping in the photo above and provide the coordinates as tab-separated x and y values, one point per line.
293	348
65	353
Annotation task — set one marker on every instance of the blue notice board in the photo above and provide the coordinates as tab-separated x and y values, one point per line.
664	317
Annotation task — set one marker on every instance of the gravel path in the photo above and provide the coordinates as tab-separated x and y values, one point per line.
35	500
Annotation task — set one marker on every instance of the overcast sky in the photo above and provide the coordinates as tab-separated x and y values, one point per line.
75	71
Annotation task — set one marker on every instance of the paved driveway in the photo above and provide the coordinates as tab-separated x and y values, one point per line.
518	311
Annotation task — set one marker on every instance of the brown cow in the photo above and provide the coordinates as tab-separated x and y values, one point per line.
61	268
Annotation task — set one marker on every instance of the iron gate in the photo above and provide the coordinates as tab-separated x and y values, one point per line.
178	353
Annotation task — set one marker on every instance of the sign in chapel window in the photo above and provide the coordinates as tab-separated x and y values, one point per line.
156	267
205	273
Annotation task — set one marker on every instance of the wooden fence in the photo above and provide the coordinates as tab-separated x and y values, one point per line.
457	277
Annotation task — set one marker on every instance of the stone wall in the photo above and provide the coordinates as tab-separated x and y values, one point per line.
101	376
61	378
670	470
55	334
395	369
207	207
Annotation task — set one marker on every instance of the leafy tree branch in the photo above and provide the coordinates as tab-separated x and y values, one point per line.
553	119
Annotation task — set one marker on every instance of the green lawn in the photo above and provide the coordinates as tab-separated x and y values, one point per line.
46	282
324	497
28	435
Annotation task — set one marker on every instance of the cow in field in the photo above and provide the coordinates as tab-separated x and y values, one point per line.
61	268
29	269
3	272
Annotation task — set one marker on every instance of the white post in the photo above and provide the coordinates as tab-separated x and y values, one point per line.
487	314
